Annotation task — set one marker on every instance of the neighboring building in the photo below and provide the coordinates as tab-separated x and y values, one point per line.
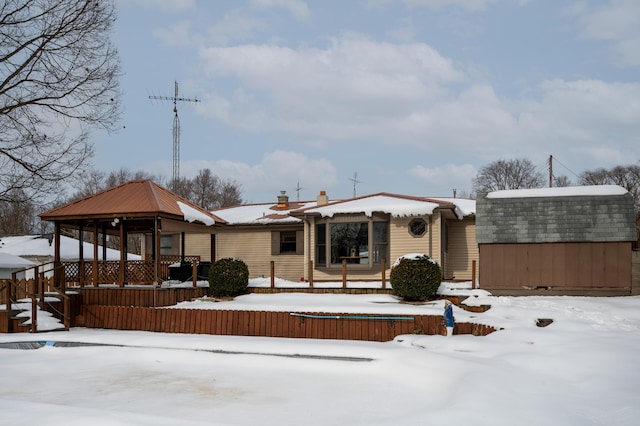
573	240
10	264
39	250
365	232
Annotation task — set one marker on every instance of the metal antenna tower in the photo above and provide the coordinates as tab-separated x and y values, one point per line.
176	128
355	181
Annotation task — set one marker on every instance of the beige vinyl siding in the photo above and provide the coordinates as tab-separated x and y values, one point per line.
402	242
253	245
463	249
198	245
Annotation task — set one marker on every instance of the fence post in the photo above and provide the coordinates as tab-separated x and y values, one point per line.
273	273
344	273
473	274
383	267
310	274
194	270
34	311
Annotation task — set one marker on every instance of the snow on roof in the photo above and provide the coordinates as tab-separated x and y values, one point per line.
397	206
10	261
464	206
260	214
36	245
193	215
569	191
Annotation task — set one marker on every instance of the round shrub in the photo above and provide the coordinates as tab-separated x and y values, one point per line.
228	277
415	277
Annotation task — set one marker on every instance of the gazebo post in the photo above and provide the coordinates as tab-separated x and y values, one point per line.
58	273
81	254
123	255
95	253
156	246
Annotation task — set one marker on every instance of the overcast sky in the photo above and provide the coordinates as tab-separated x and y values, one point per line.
412	95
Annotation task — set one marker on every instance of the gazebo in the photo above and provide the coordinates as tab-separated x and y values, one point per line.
136	207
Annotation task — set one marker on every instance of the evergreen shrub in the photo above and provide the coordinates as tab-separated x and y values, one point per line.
416	277
228	277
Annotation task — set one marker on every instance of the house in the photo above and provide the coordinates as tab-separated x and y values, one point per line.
39	250
10	264
573	240
366	234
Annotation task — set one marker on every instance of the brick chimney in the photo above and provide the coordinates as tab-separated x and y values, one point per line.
322	198
283	200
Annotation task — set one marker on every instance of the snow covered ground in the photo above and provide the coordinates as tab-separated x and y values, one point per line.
579	370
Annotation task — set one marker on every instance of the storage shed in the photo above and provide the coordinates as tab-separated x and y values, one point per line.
572	240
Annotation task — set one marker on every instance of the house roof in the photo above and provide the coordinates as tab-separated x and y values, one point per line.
551	215
394	204
137	198
10	261
262	214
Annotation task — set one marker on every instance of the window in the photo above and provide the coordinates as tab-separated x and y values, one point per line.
359	243
286	242
166	244
417	227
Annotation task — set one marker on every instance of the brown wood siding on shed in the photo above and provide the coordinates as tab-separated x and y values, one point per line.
571	266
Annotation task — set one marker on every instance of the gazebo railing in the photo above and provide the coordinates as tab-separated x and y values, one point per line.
81	273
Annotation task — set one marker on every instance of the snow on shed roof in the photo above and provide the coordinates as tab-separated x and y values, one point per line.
568	191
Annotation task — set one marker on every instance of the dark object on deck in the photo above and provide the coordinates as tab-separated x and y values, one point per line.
203	270
182	272
543	322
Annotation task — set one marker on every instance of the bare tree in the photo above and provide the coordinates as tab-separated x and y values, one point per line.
519	173
627	177
561	181
211	192
58	78
229	194
17	217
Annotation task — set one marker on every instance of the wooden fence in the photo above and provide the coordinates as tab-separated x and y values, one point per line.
379	328
140	297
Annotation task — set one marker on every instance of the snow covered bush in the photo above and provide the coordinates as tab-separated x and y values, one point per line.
415	277
228	277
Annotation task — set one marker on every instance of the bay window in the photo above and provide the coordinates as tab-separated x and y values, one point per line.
358	243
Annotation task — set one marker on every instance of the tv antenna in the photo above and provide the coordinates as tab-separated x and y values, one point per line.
355	181
298	189
176	129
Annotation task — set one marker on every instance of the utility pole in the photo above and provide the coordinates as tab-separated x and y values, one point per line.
176	129
550	171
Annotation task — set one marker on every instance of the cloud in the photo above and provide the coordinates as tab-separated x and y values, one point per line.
167	5
351	89
407	94
277	171
469	5
617	22
457	176
297	8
